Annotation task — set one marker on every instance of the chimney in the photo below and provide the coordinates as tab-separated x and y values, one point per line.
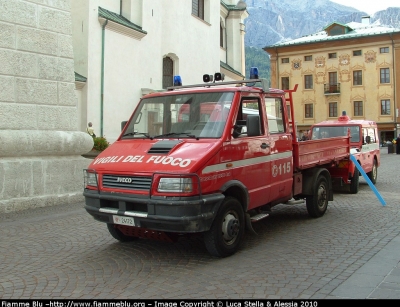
365	20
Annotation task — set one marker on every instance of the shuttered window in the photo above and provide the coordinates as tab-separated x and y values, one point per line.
198	8
168	72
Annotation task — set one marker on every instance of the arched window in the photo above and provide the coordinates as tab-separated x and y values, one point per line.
168	72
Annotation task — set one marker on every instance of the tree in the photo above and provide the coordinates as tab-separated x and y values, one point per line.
257	57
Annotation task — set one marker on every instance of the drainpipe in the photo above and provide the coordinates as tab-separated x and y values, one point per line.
394	87
226	38
277	67
102	77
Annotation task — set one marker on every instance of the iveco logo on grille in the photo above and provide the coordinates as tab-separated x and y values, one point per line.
124	179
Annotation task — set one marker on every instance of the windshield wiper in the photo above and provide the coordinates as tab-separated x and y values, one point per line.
176	133
137	133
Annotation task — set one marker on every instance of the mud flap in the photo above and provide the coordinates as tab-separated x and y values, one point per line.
248	224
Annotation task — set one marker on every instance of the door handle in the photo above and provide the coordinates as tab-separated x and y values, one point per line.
264	145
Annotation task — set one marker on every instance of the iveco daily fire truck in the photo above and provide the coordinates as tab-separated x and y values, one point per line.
364	142
209	159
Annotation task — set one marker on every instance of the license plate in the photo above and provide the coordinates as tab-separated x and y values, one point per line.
123	220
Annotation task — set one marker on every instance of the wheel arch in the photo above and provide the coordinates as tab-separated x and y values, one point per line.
355	167
378	162
237	189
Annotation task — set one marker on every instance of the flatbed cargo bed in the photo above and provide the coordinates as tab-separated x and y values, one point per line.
310	153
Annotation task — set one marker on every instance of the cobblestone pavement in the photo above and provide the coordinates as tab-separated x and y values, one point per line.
351	252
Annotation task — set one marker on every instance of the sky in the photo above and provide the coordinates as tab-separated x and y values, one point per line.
369	6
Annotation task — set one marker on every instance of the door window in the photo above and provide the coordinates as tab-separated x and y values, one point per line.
274	110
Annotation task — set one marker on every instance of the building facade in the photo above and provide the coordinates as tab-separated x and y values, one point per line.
351	67
41	147
126	49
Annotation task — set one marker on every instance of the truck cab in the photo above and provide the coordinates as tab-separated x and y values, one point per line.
364	142
207	159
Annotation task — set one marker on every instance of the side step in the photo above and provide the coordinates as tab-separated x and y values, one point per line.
258	217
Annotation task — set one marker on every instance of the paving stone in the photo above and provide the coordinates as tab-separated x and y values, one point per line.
62	252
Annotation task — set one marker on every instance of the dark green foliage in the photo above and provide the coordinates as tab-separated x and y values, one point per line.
257	57
100	143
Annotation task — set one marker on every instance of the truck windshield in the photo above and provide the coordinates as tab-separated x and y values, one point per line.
199	115
333	131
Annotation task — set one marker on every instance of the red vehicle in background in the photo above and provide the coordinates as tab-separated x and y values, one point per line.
210	159
364	142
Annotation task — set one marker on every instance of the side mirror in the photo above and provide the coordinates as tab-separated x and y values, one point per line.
253	125
237	130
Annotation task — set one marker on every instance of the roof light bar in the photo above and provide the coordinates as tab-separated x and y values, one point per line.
254	78
207	78
219	76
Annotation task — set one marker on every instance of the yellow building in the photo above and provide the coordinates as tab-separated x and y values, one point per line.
352	67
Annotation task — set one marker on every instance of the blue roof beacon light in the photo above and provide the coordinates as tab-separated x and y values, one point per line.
207	78
253	73
177	81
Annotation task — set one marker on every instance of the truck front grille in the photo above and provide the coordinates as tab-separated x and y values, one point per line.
127	182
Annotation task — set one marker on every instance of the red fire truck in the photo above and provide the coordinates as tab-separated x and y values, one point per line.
364	142
172	173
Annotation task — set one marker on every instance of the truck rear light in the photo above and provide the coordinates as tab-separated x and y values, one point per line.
175	185
90	178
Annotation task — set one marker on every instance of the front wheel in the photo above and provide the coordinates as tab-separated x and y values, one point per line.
226	232
373	174
318	202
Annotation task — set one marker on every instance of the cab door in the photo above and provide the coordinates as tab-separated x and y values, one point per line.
281	155
249	152
369	148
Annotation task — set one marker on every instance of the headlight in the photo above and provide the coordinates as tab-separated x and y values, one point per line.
183	185
90	178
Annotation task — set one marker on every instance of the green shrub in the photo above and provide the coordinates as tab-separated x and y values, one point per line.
100	143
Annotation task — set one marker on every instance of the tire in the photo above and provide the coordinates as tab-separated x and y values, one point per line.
355	180
226	232
373	174
117	234
318	202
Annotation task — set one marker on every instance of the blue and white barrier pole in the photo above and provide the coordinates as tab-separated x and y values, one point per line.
371	185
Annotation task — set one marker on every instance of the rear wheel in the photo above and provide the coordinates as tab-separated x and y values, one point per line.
373	174
318	202
226	233
117	234
355	180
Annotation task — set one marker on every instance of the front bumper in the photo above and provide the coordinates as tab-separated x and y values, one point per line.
180	215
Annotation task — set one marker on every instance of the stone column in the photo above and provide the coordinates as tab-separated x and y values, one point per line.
40	147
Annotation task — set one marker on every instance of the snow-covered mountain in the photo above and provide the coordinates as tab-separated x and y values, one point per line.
270	21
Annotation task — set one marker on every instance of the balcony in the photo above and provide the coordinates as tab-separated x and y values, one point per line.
332	89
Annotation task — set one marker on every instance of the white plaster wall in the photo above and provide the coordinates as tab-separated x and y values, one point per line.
131	65
194	41
234	39
40	152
